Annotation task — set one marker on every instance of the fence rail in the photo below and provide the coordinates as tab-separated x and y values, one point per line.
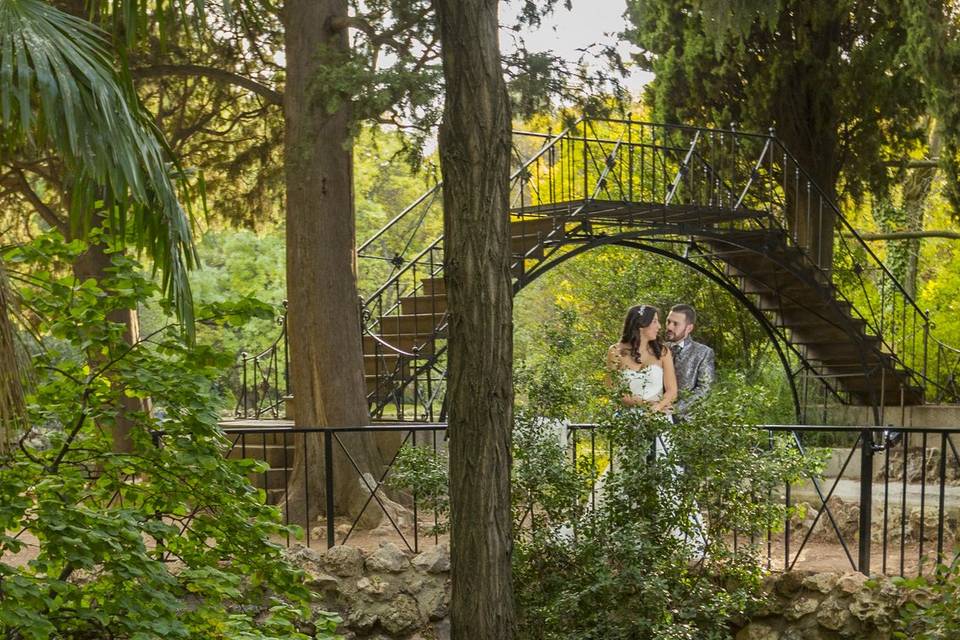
890	504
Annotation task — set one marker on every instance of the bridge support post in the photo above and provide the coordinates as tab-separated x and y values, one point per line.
866	500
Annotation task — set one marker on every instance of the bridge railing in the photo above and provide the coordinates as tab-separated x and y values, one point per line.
861	278
888	503
264	377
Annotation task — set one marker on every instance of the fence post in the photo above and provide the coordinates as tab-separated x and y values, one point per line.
866	500
328	485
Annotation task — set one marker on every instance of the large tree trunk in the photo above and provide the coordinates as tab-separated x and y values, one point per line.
326	358
475	159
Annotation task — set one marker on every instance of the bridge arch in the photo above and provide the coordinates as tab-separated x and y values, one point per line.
635	240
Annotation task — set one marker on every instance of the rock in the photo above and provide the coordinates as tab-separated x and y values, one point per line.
360	619
822	582
413	584
343	561
321	581
301	556
433	560
376	587
871	607
832	614
801	607
851	582
388	558
434	601
758	631
401	615
790	582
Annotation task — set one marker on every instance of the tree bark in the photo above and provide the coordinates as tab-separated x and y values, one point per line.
807	118
326	357
475	160
93	263
916	189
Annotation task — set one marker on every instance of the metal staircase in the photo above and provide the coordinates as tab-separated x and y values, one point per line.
735	206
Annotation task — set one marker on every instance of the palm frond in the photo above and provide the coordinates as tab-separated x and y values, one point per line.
59	89
12	409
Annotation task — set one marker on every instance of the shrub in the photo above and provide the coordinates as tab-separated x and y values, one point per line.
166	540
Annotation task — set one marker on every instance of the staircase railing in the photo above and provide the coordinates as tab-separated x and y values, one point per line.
265	377
404	318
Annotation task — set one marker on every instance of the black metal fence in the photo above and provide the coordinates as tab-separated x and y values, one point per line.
290	454
888	503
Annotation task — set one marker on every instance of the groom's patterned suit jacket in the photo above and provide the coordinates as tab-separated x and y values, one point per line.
696	369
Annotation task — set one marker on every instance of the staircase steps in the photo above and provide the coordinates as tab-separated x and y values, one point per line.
803	301
423	304
422	324
405	342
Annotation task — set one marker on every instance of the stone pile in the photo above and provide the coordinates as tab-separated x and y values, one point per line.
804	605
382	595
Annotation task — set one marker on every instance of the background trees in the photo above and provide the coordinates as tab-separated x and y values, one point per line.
829	77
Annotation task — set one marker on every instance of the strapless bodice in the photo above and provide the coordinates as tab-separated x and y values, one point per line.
646	383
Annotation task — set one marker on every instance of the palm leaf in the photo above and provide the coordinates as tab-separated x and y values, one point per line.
60	90
12	409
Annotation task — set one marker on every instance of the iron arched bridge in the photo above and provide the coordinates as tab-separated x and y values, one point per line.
735	207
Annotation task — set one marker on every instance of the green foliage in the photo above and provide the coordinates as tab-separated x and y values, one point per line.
751	63
932	611
631	570
423	472
60	93
566	320
166	540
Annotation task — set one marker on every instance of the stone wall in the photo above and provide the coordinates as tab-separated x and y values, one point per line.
382	595
391	595
825	606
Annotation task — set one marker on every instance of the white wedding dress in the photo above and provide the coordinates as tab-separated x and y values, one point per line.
647	384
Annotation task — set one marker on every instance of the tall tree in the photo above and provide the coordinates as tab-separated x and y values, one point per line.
827	75
475	144
324	319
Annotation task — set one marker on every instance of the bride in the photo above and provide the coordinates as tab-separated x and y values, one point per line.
644	363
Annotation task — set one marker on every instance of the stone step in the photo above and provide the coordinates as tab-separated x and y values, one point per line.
404	341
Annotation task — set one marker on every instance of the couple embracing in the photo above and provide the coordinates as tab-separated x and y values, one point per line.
655	372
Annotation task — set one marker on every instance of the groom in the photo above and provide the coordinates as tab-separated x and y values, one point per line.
694	362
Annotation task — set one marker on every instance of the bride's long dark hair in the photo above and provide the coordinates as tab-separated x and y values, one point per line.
640	317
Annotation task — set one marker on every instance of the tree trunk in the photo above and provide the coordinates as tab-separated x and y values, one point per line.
326	358
916	189
475	160
93	263
806	122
